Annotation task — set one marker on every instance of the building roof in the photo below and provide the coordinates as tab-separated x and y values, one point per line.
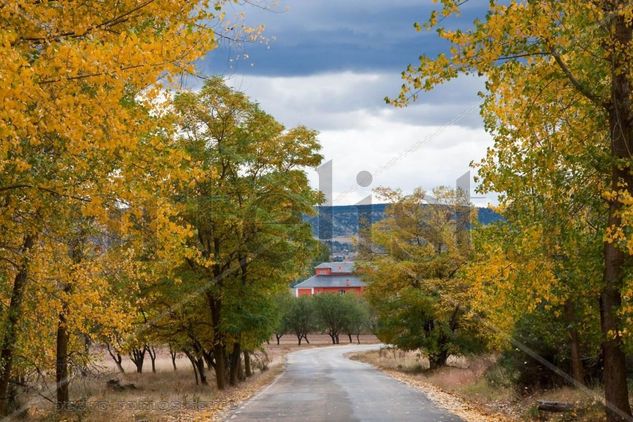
338	267
331	281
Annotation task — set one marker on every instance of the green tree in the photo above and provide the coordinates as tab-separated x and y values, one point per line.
570	54
245	201
413	273
302	318
283	303
358	316
333	314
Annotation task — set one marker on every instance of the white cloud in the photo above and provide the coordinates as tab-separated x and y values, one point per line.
399	155
428	144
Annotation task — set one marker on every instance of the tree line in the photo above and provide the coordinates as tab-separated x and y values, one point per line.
558	103
334	314
135	214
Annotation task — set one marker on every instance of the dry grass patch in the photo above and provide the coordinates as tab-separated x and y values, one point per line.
166	395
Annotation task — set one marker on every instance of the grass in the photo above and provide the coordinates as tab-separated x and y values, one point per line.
166	395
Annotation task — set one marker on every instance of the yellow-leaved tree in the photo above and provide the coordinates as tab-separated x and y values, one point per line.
414	271
576	55
79	142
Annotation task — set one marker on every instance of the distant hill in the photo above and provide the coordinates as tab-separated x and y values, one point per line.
345	218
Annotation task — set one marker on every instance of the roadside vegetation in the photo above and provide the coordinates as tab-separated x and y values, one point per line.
480	388
139	219
425	270
548	289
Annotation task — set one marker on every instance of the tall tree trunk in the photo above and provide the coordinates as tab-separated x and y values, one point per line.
173	354
14	314
240	369
219	349
84	365
152	355
615	385
577	369
278	337
235	362
247	363
350	337
299	337
615	260
199	361
305	337
438	360
61	363
220	366
208	358
193	365
61	349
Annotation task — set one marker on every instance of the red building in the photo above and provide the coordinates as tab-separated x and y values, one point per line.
331	277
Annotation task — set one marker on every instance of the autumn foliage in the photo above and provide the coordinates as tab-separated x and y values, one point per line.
558	103
123	222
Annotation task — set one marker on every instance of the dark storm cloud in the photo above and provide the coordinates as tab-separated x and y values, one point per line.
310	36
330	66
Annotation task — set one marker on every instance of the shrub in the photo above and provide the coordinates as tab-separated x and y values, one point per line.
545	336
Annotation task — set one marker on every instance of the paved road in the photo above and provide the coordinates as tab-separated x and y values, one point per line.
323	385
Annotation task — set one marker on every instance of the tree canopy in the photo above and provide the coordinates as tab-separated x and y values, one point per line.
557	101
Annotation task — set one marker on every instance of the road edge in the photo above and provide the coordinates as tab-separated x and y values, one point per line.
469	412
230	411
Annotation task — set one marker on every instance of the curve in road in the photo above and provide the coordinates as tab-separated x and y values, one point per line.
321	384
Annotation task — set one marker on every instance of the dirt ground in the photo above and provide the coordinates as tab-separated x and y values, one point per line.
166	395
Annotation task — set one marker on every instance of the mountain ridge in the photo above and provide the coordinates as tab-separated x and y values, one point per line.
345	217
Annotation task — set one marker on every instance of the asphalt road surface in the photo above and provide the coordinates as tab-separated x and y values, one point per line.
321	384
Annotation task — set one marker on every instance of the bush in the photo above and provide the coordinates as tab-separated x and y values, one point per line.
542	334
500	376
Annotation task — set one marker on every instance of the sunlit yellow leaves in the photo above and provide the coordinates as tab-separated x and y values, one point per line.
507	282
87	145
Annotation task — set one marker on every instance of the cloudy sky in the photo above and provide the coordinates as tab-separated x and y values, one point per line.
328	64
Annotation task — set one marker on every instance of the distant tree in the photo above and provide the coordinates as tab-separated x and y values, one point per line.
283	304
137	355
358	316
333	314
301	318
413	269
